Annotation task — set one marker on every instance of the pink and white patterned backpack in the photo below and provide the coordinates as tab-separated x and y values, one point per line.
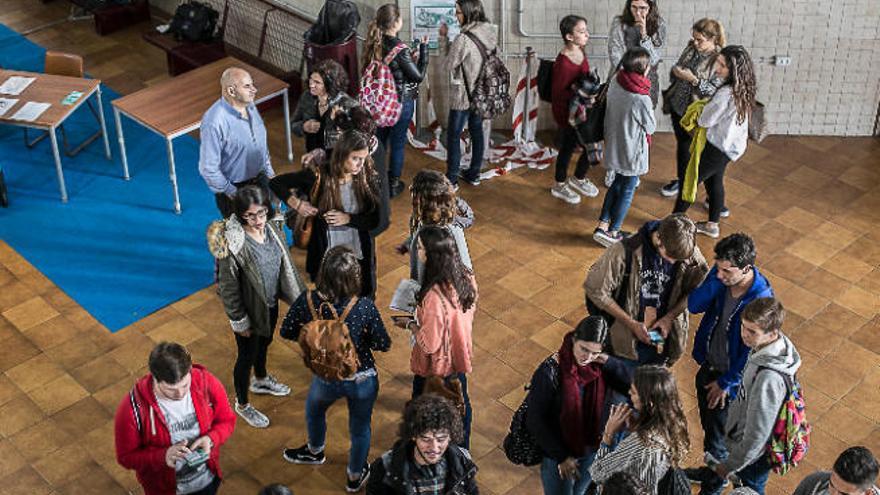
378	93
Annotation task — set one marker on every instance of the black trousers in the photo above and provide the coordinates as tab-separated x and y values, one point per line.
682	147
225	203
567	144
713	163
210	489
712	420
252	352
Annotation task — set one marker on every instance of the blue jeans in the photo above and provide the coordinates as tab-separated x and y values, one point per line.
360	395
617	200
394	139
554	485
457	118
712	420
419	386
753	476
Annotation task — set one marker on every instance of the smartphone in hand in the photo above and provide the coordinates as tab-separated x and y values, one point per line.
655	336
195	458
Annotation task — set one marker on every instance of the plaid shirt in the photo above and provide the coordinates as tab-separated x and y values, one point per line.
429	479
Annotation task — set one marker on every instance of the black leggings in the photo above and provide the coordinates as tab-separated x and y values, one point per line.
568	142
682	147
252	353
713	163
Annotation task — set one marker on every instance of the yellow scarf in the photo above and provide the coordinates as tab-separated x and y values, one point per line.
689	123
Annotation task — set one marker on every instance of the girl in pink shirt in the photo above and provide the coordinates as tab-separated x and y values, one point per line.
443	323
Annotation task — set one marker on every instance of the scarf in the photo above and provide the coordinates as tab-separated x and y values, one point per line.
698	143
635	83
581	416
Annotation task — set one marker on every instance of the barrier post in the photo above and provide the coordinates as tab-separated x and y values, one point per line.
530	55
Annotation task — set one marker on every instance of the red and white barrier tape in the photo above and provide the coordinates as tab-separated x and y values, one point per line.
521	151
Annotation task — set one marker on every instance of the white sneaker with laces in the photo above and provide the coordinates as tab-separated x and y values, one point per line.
564	192
251	416
269	386
583	186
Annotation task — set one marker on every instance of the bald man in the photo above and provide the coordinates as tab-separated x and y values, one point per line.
234	152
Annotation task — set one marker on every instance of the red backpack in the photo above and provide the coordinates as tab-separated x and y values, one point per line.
378	93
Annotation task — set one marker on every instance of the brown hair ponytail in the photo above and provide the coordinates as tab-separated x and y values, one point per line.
386	16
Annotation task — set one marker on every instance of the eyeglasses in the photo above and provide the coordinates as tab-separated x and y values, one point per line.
259	215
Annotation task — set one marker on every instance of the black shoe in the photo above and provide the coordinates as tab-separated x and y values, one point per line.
358	484
303	455
395	187
469	181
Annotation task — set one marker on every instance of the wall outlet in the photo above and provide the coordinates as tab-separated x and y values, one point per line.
781	61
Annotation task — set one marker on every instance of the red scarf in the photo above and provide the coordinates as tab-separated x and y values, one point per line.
581	417
635	83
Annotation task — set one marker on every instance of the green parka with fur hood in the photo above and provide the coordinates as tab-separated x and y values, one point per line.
238	280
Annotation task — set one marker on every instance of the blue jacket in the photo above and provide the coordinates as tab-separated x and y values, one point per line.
708	298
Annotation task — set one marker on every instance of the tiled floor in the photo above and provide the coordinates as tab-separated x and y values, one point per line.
812	204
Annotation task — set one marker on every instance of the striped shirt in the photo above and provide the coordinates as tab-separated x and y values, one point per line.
632	455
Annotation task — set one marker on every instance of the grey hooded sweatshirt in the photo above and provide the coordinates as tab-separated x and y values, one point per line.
752	414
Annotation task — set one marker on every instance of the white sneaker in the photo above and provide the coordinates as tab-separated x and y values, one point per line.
563	192
609	177
269	385
583	186
251	416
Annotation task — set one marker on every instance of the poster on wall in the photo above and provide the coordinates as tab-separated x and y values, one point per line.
427	15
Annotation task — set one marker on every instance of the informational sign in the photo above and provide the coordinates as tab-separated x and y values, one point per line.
427	15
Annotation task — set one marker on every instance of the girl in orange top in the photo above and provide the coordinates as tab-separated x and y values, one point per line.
442	341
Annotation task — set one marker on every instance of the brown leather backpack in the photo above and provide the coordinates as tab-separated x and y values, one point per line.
326	344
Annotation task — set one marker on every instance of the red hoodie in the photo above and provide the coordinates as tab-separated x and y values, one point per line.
143	447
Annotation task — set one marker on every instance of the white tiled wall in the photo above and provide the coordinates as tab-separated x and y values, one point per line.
832	86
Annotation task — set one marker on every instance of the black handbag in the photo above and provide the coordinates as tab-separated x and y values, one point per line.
593	129
519	445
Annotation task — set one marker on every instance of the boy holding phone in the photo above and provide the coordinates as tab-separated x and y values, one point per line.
648	299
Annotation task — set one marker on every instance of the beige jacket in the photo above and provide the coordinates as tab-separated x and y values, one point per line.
605	276
463	60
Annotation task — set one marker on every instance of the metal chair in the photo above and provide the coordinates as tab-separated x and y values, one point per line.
71	65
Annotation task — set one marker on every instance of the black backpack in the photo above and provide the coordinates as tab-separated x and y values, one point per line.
674	482
545	79
337	21
194	21
490	96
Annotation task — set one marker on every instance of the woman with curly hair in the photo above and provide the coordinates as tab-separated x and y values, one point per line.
425	457
726	120
434	202
444	318
317	107
409	70
347	207
658	435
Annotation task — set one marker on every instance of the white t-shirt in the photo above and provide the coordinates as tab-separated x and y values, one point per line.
183	425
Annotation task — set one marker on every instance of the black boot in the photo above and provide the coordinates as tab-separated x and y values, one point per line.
395	186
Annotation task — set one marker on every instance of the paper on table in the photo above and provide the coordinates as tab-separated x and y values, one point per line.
15	85
6	104
404	298
31	111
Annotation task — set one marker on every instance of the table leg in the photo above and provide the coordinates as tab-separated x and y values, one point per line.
173	176
61	186
103	123
121	144
287	127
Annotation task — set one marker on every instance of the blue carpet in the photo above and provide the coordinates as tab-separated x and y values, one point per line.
116	247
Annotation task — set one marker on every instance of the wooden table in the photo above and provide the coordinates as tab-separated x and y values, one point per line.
175	107
53	89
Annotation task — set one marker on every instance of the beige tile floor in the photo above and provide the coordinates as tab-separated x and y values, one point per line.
812	204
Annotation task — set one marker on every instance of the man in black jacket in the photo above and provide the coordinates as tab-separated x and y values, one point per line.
425	459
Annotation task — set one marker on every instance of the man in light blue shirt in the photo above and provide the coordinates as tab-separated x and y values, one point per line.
233	151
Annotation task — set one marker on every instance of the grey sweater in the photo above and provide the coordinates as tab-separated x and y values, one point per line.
629	118
817	484
463	61
752	414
